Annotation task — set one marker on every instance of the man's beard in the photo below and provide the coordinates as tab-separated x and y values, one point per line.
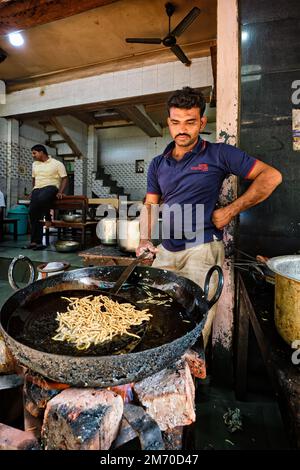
186	143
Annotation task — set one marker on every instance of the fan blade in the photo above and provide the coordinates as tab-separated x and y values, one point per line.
144	40
180	54
3	55
185	23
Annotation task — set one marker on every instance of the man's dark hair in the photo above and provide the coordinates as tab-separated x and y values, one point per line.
187	98
39	148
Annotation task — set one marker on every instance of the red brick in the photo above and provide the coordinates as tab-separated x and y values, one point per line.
82	419
32	423
7	362
196	363
15	439
169	396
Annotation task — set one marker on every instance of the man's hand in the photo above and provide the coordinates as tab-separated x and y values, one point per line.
222	217
146	245
59	195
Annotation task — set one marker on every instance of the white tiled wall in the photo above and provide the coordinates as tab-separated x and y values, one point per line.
110	86
120	148
29	134
32	133
77	130
3	129
78	172
133	183
125	145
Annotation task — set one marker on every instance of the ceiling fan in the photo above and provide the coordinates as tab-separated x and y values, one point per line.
3	55
170	39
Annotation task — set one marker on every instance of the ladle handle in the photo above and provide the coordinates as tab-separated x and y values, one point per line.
126	273
219	289
11	268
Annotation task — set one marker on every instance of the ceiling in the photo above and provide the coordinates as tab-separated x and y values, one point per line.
93	41
77	45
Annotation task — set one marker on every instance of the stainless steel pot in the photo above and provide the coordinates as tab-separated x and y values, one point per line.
128	234
106	231
72	218
66	246
287	296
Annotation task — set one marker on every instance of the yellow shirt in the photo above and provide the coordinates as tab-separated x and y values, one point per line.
48	173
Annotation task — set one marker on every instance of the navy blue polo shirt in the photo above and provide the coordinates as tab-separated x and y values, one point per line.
194	184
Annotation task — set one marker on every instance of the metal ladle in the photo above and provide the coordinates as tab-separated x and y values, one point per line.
126	273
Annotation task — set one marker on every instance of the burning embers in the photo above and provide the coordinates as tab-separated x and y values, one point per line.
64	417
125	392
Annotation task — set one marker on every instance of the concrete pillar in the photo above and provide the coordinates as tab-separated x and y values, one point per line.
92	153
78	176
12	162
3	152
2	92
227	131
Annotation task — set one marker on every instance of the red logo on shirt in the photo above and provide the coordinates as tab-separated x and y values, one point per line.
200	167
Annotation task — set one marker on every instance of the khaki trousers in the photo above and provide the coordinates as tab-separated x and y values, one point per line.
194	263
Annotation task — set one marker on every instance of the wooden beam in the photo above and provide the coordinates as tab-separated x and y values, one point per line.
92	107
102	118
16	15
113	124
85	117
61	130
138	115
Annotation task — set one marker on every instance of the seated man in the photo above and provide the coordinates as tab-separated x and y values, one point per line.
49	180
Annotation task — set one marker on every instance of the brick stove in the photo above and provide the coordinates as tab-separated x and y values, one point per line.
157	410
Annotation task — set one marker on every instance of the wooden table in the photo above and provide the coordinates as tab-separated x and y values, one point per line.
107	255
111	201
93	203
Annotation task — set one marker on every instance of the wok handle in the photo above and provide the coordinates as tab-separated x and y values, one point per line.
11	268
219	289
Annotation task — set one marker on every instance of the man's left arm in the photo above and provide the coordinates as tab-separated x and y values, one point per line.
265	181
62	187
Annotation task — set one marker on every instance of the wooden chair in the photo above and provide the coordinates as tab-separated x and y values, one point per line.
4	221
72	203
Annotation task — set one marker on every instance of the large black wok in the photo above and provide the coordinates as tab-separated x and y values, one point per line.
150	356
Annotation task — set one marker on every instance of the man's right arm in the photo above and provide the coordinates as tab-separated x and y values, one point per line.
33	185
147	221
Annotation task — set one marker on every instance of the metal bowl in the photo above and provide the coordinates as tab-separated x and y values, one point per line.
66	246
72	218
